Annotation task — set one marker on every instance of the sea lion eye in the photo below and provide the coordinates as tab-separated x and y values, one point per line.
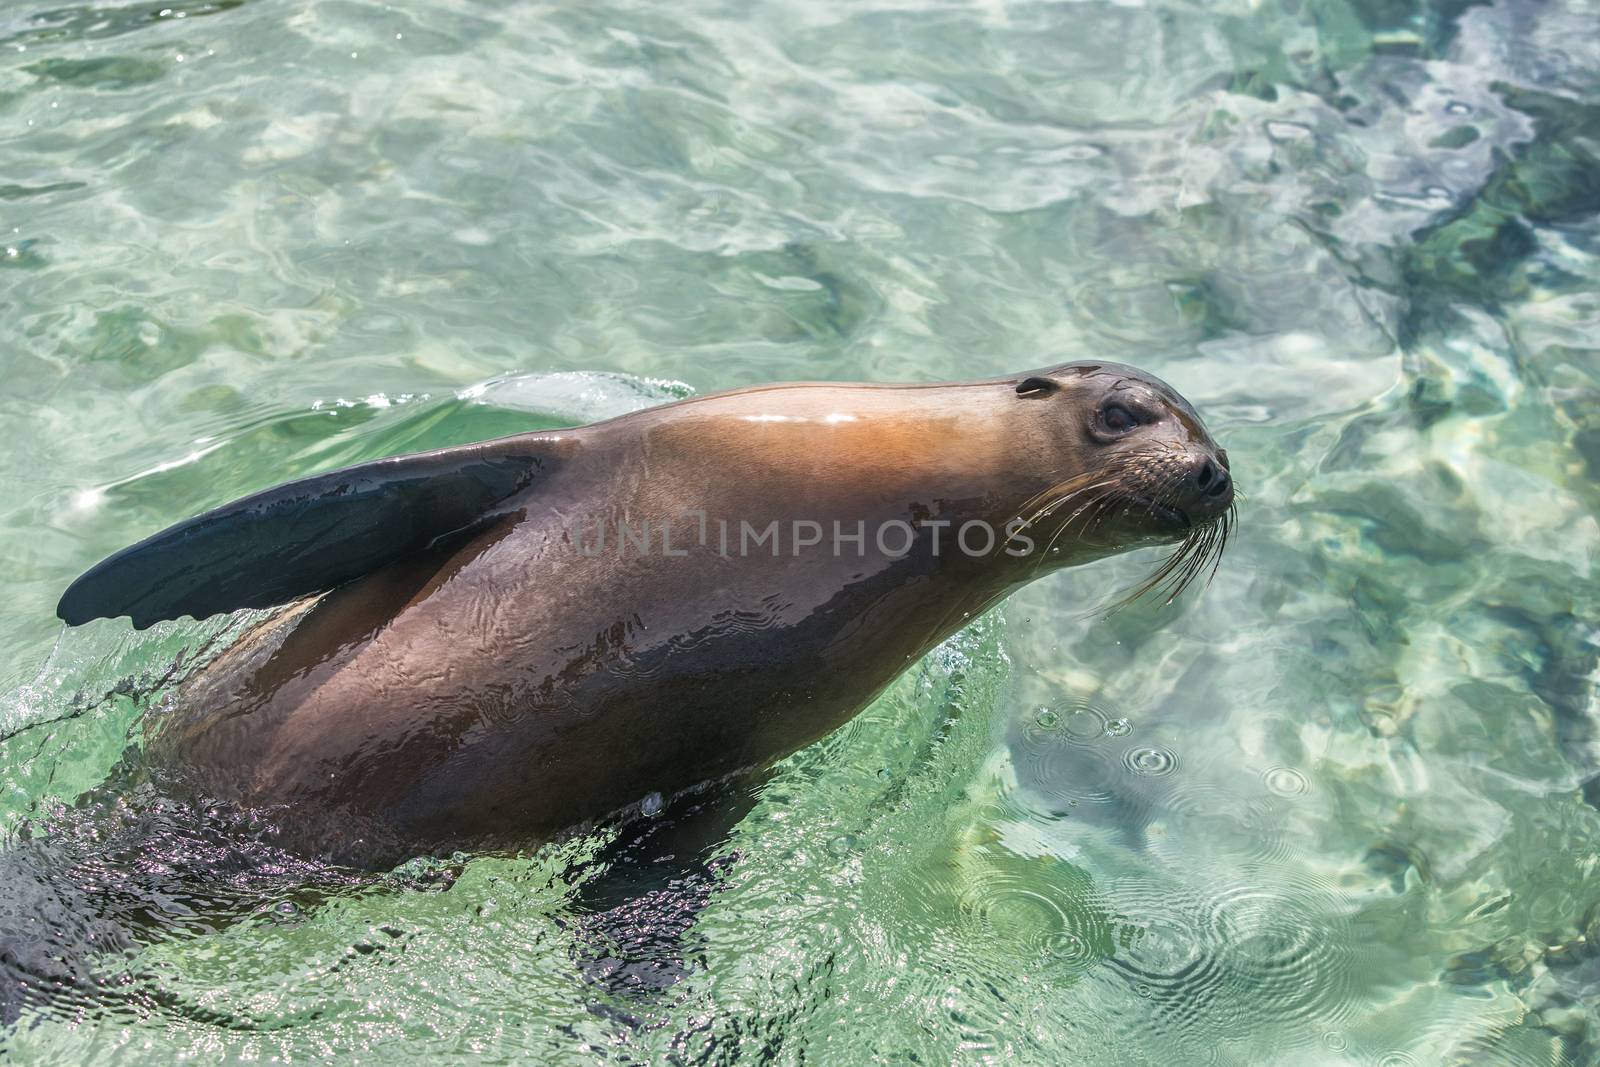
1114	418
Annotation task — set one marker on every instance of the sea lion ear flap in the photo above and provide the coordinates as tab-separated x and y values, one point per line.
307	536
1036	387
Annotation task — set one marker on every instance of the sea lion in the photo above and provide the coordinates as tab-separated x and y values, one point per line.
515	638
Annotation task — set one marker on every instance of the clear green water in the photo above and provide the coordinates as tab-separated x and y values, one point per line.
1330	811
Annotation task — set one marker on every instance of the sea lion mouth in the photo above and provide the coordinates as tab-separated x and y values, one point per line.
1175	517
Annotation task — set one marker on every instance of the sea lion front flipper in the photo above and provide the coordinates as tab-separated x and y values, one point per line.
306	536
637	904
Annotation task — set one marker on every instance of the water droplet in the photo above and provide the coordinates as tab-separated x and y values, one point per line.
1069	947
651	804
1119	727
286	912
1285	781
1153	762
1334	1040
1456	107
1047	719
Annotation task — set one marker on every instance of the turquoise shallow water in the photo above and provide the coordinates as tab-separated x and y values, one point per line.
1338	808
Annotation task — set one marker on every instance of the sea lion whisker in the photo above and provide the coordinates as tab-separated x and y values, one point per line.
1095	501
1065	497
1051	543
1068	498
1066	485
1045	492
1104	486
1179	570
1193	565
1102	510
1149	583
1216	544
1172	575
1230	521
1104	496
1226	527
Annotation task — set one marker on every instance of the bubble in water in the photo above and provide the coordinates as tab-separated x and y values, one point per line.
1285	781
1119	728
1151	761
1456	107
1044	728
1335	1041
287	913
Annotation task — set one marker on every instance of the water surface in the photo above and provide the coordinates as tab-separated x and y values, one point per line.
1339	808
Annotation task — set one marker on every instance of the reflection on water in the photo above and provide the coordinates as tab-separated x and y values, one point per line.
1338	808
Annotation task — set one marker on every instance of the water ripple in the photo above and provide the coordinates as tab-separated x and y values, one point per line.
1238	960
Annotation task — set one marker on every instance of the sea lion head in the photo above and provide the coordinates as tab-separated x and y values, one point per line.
1140	467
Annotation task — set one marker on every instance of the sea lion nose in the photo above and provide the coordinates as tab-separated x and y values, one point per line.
1214	484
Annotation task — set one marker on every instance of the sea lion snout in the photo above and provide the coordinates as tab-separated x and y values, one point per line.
1179	484
1210	489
